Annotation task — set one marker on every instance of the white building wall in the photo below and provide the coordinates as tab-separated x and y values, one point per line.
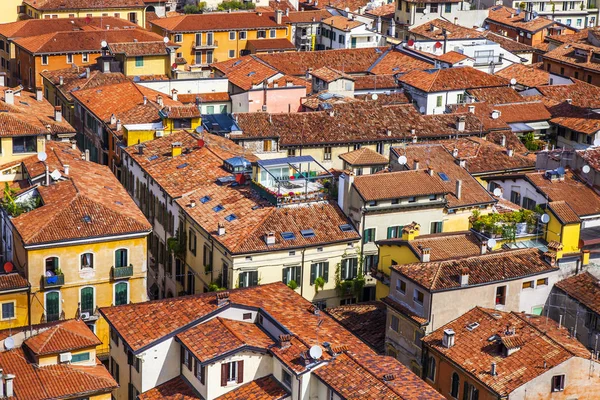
185	86
256	365
159	364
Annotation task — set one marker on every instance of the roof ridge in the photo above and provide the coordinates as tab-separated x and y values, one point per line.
370	372
239	338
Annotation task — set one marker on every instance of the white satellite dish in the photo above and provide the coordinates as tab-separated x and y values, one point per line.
586	169
497	192
55	175
545	218
42	156
347	9
422	110
315	352
374	96
513	81
402	160
492	243
597	142
103	44
166	39
9	343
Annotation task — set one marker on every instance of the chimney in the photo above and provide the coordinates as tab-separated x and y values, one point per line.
113	119
174	94
569	101
61	80
493	369
287	12
259	14
462	163
73	145
159	100
379	24
412	133
285	341
460	123
108	27
430	171
278	16
192	203
389	377
389	132
471	109
9	96
118	126
39	95
220	230
145	100
270	238
503	141
464	276
222	299
416	164
455	153
2	78
87	155
484	245
58	114
331	113
425	254
414	138
175	149
1	385
458	189
87	73
8	381
448	338
66	168
510	152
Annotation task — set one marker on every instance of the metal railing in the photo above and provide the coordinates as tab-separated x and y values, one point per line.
53	281
122	272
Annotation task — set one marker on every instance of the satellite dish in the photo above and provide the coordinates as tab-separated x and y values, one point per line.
586	169
374	96
347	9
497	192
560	170
315	352
402	160
200	130
55	175
9	343
422	110
545	218
103	44
492	243
597	142
42	156
166	40
513	81
8	267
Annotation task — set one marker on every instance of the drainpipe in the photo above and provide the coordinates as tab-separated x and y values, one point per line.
29	308
302	274
362	227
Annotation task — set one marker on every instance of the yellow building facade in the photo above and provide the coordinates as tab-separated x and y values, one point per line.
135	14
9	10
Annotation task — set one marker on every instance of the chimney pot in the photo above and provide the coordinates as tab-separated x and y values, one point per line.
174	94
471	109
222	298
510	152
66	168
58	114
39	95
118	125
416	164
464	277
484	245
460	123
8	381
61	80
448	338
425	254
87	155
192	203
220	230
9	96
458	188
493	371
455	153
285	341
87	73
503	141
270	238
430	171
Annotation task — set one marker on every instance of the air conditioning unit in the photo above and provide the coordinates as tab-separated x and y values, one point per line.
65	357
160	133
85	315
264	107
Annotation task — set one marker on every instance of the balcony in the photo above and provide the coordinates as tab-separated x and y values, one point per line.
122	272
54	281
207	45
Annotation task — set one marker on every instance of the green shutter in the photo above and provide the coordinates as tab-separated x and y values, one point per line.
87	299
390	232
52	306
344	269
254	278
354	262
120	293
298	275
326	271
313	273
284	276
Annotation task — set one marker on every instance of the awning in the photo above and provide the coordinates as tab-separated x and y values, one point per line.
529	126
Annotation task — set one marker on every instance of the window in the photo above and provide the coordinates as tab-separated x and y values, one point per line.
448	7
369	235
528	285
232	372
569	21
432	197
501	295
87	260
232	35
370	263
52	306
438	101
120	258
412	199
80	357
562	71
341	39
394	232
114	369
133	392
433	8
291	274
178	38
291	153
286	377
436	227
85	57
192	242
87	300
589	79
247	279
231	53
401	286
320	269
558	383
121	293
420	7
261	34
139	61
470	392
8	310
515	197
200	372
210	109
455	385
528	203
418	297
44	60
395	323
349	268
327	153
430	368
267	145
191	283
576	74
272	33
541	282
24	144
242	35
51	266
186	358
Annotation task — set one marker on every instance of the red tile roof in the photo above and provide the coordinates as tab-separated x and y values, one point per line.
543	346
364	156
434	30
452	57
174	389
266	388
36	27
564	212
271	44
446	79
296	17
508	44
329	74
67	336
157	48
363	82
396	185
245	72
581	94
525	75
74	79
483	269
365	320
342	23
508	16
496	95
442	246
585	288
12	281
579	55
204	97
56	5
218	22
395	62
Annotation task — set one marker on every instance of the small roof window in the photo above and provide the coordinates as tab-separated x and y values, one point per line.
230	217
288	235
346	228
307	233
444	177
218	208
205	199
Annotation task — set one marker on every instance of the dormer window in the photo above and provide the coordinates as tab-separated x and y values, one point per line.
232	372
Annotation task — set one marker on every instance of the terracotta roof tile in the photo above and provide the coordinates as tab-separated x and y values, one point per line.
442	246
51	5
581	94
174	389
271	44
353	5
585	288
508	44
581	55
496	95
218	22
487	268
67	336
329	74
245	72
395	62
365	320
542	346
364	156
384	11
36	27
74	80
179	112
296	17
341	23
508	16
204	97
363	82
446	79
434	30
525	75
266	388
395	185
13	281
139	48
452	57
564	212
385	99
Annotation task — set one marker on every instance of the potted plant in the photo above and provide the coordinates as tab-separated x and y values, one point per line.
292	284
319	284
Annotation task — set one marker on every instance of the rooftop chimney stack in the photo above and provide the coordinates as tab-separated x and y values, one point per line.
503	141
493	371
464	276
118	126
9	96
87	73
425	254
61	80
1	385
220	230
87	155
455	153
460	123
270	238
458	188
379	22
175	149
174	94
430	171
192	203
416	164
113	119
66	168
484	245
8	381
448	338
471	109
222	299
278	16
58	114
159	100
285	341
39	95
287	12
510	152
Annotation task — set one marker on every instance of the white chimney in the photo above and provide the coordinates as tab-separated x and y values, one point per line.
278	17
493	371
9	96
220	230
455	153
39	95
430	171
448	338
287	12
8	380
425	254
458	189
510	152
145	100
174	94
460	123
416	164
192	203
462	163
471	109
159	100
1	385
2	79
379	24
87	73
393	28
87	155
61	80
58	114
66	168
270	238
464	277
113	119
118	125
484	245
503	141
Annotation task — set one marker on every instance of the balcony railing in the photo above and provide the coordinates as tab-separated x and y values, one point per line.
207	45
53	281
122	272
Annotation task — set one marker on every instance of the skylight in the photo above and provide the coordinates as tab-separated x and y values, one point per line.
230	217
204	199
152	158
251	73
346	227
444	177
182	166
307	233
472	326
288	236
87	218
218	208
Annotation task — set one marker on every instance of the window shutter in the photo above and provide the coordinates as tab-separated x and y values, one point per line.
196	368
390	232
254	276
354	267
202	373
190	361
326	271
466	391
344	269
313	273
298	275
224	374
182	355
240	371
284	276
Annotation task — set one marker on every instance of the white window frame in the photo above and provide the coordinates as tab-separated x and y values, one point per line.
242	35
230	34
114	292
232	366
69	56
93	261
14	303
115	255
93	291
44	56
398	286
85	57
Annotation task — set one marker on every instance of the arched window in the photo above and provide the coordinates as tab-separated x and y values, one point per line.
52	306
52	266
121	293
121	258
87	260
455	385
87	300
431	368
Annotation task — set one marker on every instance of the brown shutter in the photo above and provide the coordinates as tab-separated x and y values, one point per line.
181	355
196	368
240	371
224	374
202	374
